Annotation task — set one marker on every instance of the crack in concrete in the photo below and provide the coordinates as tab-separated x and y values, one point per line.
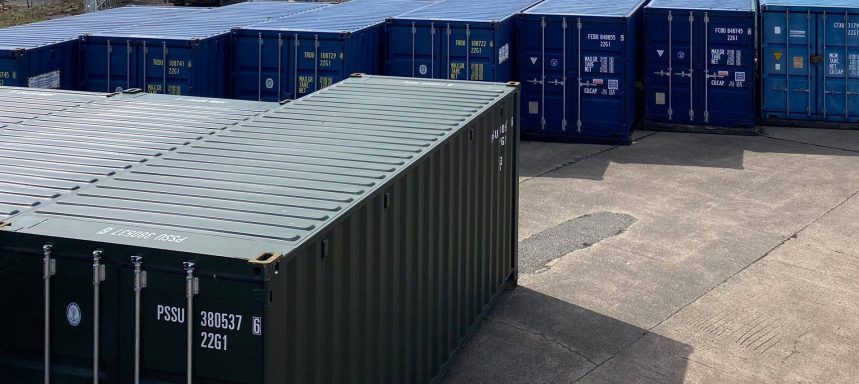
767	253
547	338
569	163
810	144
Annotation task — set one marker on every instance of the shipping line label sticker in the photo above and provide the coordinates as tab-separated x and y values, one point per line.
49	80
798	62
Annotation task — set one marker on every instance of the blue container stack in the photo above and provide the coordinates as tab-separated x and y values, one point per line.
188	55
577	65
700	63
810	60
290	57
45	54
456	39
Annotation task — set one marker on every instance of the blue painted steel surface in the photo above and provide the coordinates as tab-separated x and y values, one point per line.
577	64
700	63
182	56
293	56
456	39
45	54
810	60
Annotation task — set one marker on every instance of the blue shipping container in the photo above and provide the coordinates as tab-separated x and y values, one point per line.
180	56
456	39
293	56
700	63
810	60
45	54
577	65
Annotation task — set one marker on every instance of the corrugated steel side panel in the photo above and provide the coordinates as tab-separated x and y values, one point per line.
459	40
579	72
183	56
392	291
45	54
810	60
293	56
411	187
700	66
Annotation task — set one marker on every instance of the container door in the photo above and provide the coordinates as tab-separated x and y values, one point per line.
78	291
319	63
186	314
169	69
788	78
728	64
111	66
601	107
544	72
415	51
839	96
261	66
468	53
670	67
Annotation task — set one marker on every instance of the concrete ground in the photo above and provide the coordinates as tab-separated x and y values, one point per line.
682	259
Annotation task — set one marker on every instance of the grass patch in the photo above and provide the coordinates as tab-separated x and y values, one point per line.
15	15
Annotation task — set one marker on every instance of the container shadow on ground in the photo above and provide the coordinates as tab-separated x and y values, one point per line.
683	149
530	337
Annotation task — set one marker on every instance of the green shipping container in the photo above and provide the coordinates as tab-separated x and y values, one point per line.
359	234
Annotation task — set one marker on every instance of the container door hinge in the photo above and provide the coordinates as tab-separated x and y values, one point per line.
98	275
139	284
49	266
192	287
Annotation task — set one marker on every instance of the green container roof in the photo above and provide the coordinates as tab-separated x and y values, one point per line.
75	139
268	184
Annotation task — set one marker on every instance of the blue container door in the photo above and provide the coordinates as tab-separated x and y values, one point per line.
605	94
544	68
414	50
669	68
262	66
576	76
320	62
477	52
109	65
9	68
180	68
728	75
839	36
788	77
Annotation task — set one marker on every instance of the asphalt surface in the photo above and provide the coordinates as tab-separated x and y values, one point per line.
682	258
